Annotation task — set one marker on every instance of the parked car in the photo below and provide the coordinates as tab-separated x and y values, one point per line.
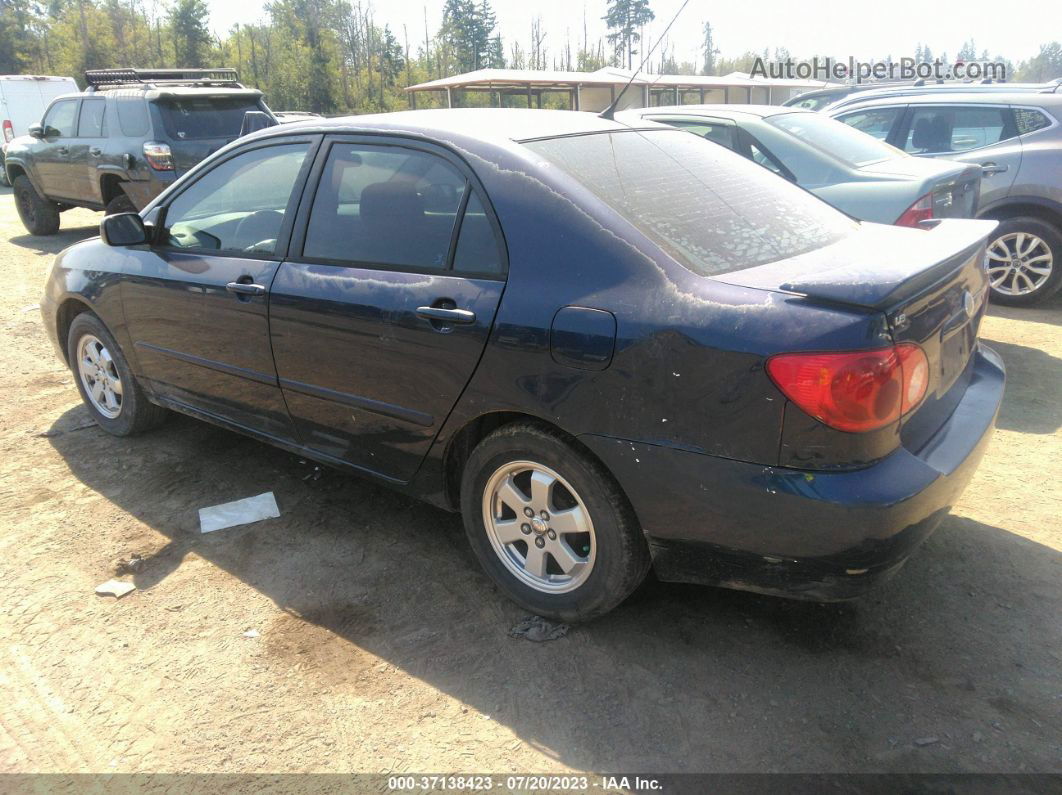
893	92
289	116
125	139
1016	139
857	174
23	99
609	347
819	98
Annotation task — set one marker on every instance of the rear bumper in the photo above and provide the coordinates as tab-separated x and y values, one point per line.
813	535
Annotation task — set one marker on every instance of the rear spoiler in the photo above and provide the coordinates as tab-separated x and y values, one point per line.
908	270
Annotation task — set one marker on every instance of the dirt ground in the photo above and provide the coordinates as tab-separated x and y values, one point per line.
381	647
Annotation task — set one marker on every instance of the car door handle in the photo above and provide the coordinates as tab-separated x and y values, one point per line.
992	168
95	151
437	313
245	288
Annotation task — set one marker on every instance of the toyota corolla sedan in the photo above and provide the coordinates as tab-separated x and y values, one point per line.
611	347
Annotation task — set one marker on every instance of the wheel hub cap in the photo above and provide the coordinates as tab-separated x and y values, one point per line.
99	376
1019	263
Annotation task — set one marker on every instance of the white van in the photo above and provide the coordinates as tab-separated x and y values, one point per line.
23	100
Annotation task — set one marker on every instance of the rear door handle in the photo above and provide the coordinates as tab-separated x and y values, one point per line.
461	317
245	288
992	168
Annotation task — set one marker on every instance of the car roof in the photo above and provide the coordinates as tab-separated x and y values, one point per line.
961	97
760	111
494	124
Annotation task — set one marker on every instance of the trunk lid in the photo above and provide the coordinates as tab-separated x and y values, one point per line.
955	187
931	285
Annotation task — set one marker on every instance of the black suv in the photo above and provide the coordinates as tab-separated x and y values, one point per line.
120	143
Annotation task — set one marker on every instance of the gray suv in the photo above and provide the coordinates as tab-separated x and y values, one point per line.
120	143
1016	139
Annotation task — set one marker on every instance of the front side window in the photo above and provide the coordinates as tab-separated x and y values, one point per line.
877	122
710	209
385	205
239	205
92	123
957	129
61	118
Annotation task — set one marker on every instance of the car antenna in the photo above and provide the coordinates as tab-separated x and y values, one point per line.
610	111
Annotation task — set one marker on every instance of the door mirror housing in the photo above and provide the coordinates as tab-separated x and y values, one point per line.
124	229
36	130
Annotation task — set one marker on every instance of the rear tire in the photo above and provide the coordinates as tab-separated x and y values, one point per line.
39	216
107	385
120	204
1025	261
579	552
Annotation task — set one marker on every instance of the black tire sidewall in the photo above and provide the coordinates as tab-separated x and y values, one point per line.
621	557
1053	238
134	404
45	214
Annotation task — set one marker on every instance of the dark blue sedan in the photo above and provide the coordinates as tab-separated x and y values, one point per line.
609	347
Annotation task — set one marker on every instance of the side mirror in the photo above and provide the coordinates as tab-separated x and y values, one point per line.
123	229
36	130
255	120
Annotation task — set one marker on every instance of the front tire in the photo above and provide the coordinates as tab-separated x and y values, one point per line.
549	524
39	216
1024	261
107	385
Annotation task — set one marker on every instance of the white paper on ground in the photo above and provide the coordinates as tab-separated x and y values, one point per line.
230	514
115	588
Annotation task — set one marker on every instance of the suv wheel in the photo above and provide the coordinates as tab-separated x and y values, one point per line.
120	204
107	385
1024	261
39	216
549	524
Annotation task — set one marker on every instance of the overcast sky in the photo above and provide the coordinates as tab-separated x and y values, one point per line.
830	27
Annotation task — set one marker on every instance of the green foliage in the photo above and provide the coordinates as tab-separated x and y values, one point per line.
625	19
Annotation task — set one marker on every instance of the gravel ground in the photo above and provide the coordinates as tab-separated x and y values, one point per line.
381	647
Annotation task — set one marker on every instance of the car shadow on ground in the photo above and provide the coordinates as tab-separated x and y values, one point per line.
53	244
679	678
1049	312
1034	384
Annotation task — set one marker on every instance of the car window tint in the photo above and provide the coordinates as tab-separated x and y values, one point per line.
956	129
834	139
478	250
722	134
238	205
1030	120
92	123
61	118
875	121
132	116
384	205
190	118
711	209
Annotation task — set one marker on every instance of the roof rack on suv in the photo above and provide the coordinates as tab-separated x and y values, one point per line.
98	79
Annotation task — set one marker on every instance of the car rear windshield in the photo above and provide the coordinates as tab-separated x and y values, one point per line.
710	209
835	138
189	118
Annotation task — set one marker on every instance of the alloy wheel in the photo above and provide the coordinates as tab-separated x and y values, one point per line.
1019	263
99	376
539	527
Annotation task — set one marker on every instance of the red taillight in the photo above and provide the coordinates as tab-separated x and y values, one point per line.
921	210
855	391
9	130
158	156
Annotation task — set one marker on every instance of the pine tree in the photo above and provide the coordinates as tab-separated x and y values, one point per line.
189	20
624	19
709	50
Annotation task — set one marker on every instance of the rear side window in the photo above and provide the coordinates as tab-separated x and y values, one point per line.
1030	120
132	116
716	132
478	250
61	118
877	122
92	123
239	205
205	117
711	209
957	129
385	205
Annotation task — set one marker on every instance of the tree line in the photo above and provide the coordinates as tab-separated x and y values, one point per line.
337	56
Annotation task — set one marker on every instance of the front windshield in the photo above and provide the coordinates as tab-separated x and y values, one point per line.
835	138
712	210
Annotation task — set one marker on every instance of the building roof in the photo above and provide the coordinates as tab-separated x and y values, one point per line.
607	76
